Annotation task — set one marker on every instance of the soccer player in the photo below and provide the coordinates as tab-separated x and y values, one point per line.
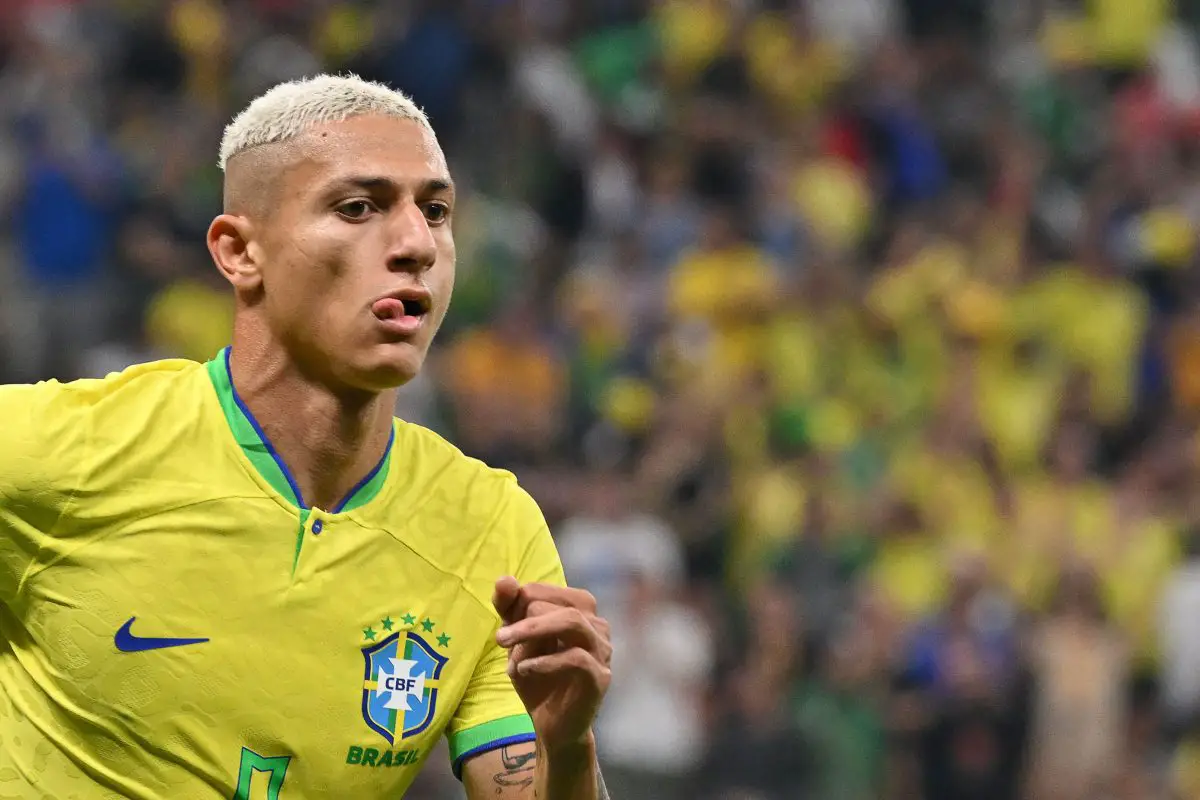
244	579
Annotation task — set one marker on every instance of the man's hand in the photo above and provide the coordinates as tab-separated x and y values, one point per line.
559	656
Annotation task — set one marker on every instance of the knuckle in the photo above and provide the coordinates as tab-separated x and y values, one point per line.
540	608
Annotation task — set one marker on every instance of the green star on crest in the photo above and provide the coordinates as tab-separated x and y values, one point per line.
369	633
443	640
387	624
427	624
409	619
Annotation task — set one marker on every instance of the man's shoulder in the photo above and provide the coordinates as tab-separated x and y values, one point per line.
459	507
129	385
52	430
144	375
431	457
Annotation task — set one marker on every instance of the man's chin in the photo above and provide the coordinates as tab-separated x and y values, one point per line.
388	366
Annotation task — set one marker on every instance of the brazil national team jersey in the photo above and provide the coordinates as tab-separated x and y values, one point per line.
176	622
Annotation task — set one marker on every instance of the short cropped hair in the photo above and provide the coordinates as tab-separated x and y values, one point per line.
288	109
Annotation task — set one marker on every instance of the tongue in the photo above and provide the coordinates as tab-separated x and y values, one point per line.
389	308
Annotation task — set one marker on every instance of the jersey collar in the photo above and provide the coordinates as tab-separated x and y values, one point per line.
263	456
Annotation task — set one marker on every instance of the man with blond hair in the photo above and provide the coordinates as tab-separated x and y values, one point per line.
244	579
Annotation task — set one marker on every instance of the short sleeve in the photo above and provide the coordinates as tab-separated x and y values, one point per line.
36	481
491	715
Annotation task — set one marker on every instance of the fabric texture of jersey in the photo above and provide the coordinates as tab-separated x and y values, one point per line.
175	622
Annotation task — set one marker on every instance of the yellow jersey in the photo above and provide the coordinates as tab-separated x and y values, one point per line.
176	622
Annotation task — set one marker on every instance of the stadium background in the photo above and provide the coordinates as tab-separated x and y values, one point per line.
852	347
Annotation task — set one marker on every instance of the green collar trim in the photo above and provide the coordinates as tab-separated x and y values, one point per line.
266	460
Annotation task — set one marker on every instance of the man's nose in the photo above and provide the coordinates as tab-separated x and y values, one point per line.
413	248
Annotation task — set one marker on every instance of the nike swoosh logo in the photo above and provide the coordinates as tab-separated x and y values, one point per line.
126	642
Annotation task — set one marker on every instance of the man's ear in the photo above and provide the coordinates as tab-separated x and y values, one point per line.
230	241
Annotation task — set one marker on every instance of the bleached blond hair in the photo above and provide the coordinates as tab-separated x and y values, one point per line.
288	109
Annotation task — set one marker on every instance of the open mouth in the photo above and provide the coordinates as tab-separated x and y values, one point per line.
390	308
403	313
414	307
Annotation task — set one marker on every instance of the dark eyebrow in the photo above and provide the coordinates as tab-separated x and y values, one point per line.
375	183
438	185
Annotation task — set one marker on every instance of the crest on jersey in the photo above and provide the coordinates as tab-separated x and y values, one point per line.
400	685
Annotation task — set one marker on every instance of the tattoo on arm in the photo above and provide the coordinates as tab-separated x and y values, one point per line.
519	762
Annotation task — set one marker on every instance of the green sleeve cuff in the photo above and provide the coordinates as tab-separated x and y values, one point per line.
489	736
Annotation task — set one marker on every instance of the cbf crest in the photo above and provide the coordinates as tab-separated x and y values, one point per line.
401	679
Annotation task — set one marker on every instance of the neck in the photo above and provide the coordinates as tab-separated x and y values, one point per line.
329	440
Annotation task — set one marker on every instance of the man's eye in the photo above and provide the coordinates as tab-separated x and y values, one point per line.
355	209
437	212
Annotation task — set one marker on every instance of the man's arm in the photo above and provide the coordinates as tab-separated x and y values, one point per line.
506	773
554	649
519	772
558	660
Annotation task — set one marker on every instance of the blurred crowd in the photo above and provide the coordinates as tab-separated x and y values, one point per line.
852	347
